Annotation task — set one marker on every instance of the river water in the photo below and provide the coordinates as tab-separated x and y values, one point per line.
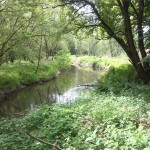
62	89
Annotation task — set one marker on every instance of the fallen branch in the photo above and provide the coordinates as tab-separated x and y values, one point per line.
44	142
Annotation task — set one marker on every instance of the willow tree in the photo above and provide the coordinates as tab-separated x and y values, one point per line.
122	20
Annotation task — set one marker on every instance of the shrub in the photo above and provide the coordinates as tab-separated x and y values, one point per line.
123	73
118	78
8	81
63	59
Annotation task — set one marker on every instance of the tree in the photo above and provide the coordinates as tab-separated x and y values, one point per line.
122	20
23	23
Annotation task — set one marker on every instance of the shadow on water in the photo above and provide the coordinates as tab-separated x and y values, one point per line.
61	89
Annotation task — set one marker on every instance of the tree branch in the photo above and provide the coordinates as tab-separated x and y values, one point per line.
10	37
87	26
44	142
61	5
102	23
79	9
107	28
135	11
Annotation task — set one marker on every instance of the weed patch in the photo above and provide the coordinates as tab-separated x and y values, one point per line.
97	122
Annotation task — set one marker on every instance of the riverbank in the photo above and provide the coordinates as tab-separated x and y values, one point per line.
99	63
64	88
113	116
22	74
19	75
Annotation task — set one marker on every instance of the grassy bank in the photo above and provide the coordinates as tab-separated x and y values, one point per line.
116	115
23	73
15	74
99	62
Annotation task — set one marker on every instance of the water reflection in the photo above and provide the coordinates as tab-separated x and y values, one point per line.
62	89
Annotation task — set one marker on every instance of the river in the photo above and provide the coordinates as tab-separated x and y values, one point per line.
66	87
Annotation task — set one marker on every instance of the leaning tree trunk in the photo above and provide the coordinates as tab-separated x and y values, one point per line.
132	52
128	44
141	35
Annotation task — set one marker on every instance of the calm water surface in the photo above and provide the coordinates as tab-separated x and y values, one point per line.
62	89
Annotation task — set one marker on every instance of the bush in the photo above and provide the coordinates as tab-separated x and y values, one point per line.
63	59
8	81
118	78
123	73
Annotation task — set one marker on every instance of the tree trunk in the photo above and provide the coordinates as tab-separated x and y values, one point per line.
39	57
129	47
46	48
127	43
141	36
135	59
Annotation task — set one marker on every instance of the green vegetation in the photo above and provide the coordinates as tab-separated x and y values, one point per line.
131	33
113	116
99	62
24	73
35	38
27	28
35	30
63	59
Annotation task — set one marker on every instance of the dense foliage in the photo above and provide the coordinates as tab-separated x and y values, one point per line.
63	59
36	39
27	28
26	73
36	30
107	118
126	24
